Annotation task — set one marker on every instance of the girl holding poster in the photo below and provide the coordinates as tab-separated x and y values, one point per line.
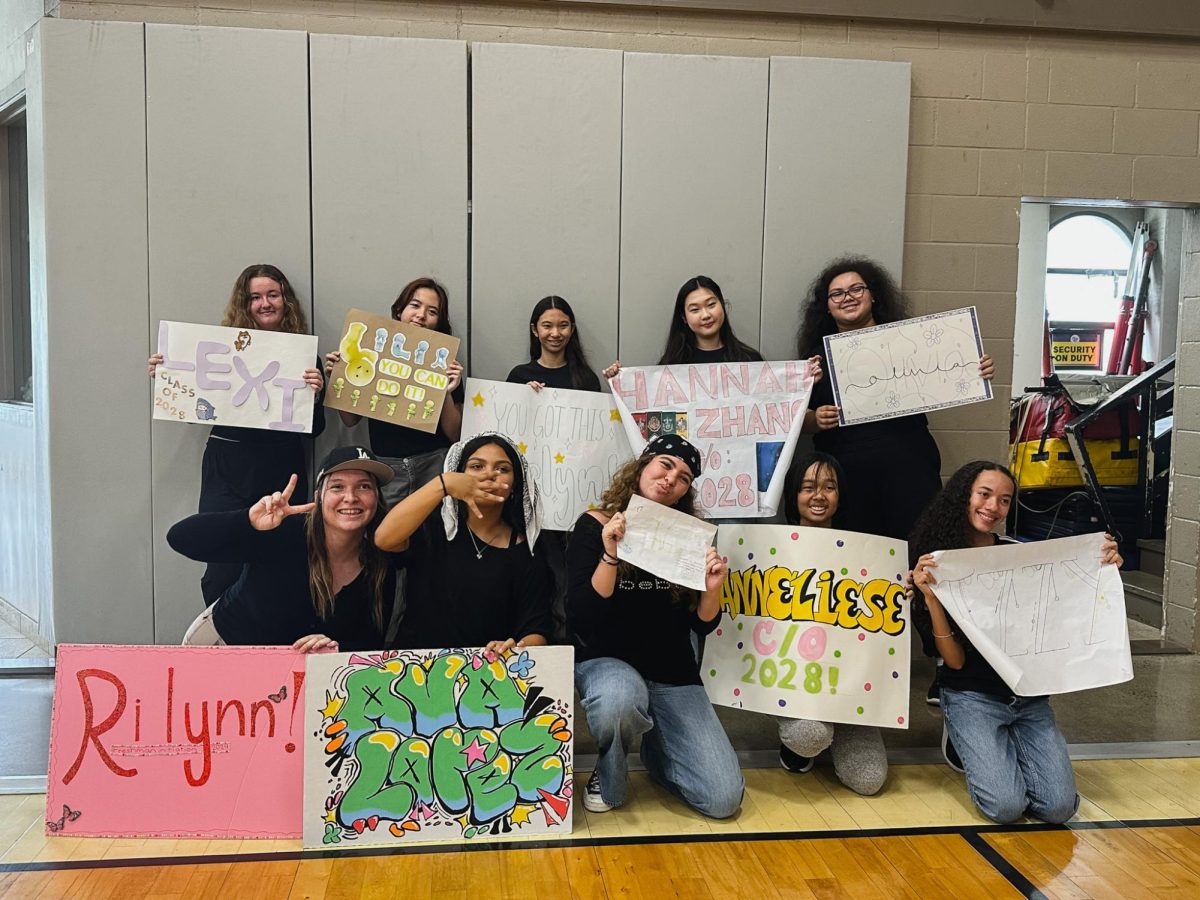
474	577
812	492
556	357
635	668
242	464
311	575
1013	754
415	456
890	491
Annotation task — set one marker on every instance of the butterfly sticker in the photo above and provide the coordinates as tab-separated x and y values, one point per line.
69	815
280	696
521	666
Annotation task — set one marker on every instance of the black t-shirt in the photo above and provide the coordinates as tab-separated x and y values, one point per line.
398	442
454	598
696	356
555	378
641	623
271	603
866	438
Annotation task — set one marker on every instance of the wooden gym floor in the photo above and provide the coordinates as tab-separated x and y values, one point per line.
1137	835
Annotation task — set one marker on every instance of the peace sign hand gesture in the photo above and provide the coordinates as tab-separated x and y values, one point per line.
272	509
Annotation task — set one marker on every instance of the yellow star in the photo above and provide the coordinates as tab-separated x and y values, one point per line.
558	458
614	415
520	814
331	816
522	447
592	506
477	399
333	705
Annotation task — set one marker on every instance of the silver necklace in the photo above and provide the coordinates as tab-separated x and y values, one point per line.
478	550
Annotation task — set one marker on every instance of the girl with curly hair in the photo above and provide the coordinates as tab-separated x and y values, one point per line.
636	668
240	465
890	487
1013	754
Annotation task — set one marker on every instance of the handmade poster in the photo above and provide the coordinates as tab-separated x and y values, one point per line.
391	371
666	542
213	375
176	742
573	440
743	417
437	745
815	626
907	367
1047	615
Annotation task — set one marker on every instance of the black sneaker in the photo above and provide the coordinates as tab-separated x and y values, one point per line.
793	761
592	800
948	751
933	696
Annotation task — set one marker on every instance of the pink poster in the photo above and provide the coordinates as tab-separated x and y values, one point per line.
176	742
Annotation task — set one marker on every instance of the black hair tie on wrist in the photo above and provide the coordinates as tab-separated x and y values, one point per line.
445	490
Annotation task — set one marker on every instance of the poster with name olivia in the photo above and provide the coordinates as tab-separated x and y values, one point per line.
744	418
573	440
214	375
176	742
391	371
815	626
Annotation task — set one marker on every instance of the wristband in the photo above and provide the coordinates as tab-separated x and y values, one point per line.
609	560
445	490
936	635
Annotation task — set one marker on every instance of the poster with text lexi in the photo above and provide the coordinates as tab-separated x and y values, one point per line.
214	375
815	625
437	745
744	418
176	742
391	371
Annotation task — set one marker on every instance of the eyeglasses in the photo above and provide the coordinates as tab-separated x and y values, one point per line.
854	292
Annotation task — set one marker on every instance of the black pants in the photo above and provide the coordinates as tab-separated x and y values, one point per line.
888	486
236	475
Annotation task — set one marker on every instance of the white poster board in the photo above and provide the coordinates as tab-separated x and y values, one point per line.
437	745
213	375
1047	615
572	440
666	542
815	625
907	367
743	417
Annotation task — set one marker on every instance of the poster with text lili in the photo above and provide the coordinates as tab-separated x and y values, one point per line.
391	371
176	742
815	625
437	745
213	375
743	417
573	440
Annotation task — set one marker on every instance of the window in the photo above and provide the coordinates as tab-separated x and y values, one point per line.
1087	256
16	326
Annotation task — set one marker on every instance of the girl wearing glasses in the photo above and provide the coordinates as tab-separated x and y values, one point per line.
240	465
894	464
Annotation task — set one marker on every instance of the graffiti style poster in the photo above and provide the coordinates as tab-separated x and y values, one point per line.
815	626
573	440
917	365
213	375
743	417
390	371
176	742
1047	615
437	745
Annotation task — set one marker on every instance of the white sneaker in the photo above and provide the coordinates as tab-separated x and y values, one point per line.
592	801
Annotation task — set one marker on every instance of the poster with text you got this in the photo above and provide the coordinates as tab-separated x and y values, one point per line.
744	418
815	625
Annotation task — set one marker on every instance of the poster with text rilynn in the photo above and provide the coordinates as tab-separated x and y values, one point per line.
437	745
815	625
176	742
390	371
214	375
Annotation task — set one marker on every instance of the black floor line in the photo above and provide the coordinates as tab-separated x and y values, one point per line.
967	832
997	861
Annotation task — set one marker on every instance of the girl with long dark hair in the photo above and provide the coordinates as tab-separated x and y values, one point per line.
556	357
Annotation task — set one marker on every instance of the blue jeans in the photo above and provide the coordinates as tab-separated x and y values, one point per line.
684	747
1015	756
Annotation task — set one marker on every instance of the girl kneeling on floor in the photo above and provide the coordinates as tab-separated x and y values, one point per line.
1011	750
812	490
636	668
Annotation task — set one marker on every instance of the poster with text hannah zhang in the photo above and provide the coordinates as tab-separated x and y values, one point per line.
815	625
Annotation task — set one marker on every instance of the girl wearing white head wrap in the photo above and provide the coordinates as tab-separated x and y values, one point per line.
474	575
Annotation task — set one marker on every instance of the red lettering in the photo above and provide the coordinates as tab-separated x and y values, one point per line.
201	738
767	382
708	424
635	397
735	376
224	707
670	392
254	708
697	385
92	732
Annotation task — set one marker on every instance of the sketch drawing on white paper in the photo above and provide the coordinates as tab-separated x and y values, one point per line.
927	363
